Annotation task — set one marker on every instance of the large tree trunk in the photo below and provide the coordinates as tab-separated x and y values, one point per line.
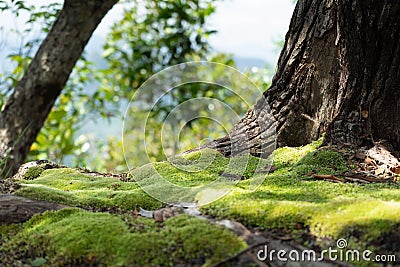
338	73
27	108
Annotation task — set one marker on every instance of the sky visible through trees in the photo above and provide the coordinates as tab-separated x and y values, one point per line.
248	29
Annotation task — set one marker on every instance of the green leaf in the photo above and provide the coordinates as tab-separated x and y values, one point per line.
38	262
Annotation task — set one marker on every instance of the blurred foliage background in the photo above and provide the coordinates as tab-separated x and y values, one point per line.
150	36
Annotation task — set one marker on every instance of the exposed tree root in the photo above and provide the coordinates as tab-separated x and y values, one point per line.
15	209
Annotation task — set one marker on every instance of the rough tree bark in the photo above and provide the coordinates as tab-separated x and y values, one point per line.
27	108
338	73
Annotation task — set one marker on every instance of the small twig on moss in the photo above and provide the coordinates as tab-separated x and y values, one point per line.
328	178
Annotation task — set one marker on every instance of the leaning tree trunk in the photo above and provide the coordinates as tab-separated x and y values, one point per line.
338	73
27	108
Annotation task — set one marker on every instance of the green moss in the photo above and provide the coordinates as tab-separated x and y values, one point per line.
196	169
368	216
287	156
71	187
287	199
33	173
72	236
7	231
322	161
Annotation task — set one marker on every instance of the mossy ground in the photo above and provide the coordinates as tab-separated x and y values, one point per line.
287	200
72	237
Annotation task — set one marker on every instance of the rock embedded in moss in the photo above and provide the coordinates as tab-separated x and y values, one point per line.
37	167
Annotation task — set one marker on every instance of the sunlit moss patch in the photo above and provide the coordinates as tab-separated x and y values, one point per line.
73	237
